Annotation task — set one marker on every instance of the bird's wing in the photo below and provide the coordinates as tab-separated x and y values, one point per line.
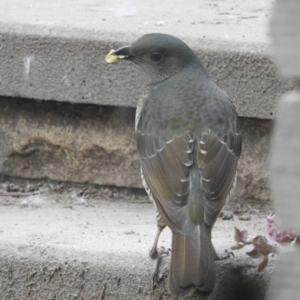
171	156
166	159
217	158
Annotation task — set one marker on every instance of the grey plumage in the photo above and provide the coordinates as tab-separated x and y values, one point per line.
189	141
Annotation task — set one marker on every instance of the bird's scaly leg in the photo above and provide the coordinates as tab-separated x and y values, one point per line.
158	253
160	227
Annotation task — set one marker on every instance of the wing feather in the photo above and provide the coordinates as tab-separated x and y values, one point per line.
189	165
217	167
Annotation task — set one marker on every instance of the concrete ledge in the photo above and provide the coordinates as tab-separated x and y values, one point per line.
57	51
61	246
96	144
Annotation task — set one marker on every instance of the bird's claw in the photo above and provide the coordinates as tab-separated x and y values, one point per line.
156	253
225	255
160	265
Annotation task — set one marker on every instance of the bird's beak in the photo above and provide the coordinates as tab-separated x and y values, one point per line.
122	53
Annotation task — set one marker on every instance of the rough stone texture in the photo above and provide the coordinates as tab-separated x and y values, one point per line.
93	144
99	250
64	142
285	31
253	170
55	50
51	274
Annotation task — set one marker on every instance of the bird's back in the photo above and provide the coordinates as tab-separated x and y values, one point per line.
187	101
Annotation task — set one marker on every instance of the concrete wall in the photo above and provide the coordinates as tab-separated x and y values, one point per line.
72	69
285	163
96	144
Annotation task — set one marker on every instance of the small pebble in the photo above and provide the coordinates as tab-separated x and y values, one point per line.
226	215
245	217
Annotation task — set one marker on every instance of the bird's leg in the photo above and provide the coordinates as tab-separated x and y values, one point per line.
158	253
160	227
153	252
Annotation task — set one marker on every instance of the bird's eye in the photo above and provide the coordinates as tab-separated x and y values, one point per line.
156	57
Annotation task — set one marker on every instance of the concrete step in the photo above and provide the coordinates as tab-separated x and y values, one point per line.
62	246
55	50
57	246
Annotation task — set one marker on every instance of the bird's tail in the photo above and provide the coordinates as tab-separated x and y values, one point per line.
192	263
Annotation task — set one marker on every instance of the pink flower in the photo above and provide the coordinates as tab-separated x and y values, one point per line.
277	235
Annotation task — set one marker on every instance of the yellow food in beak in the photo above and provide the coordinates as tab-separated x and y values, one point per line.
111	58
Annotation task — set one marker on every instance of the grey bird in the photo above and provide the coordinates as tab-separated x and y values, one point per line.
189	141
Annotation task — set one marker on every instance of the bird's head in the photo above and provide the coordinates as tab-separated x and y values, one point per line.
159	55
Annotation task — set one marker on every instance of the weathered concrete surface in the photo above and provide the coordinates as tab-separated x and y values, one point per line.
93	144
64	142
253	169
57	246
54	50
218	20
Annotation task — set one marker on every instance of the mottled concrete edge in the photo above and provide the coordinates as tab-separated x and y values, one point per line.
33	272
67	64
96	145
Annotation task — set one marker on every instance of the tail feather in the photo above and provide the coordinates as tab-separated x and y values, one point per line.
192	263
207	272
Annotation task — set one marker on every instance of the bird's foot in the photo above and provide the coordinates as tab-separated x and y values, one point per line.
224	255
161	262
155	253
